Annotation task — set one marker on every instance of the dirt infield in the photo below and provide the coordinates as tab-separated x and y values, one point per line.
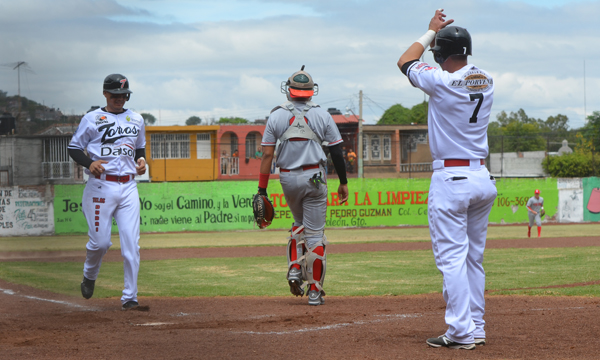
36	324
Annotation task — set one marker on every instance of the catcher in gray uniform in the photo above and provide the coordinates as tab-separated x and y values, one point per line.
301	127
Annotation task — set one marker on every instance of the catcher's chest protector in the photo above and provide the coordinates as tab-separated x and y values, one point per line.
299	128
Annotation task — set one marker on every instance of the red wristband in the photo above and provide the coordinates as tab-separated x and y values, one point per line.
263	180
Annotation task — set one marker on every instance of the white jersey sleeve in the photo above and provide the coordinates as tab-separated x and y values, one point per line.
111	137
459	109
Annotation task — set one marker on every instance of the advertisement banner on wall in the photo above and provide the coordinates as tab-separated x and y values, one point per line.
227	205
26	211
510	206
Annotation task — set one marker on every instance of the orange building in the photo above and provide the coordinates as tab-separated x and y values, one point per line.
182	153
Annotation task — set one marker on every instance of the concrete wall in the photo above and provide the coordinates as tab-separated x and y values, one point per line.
570	200
523	164
26	211
28	162
24	156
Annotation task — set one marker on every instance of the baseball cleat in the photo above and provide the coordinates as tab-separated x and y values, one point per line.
130	305
87	287
480	341
315	297
295	281
443	341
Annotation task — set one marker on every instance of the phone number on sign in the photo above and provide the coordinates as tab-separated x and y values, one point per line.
507	201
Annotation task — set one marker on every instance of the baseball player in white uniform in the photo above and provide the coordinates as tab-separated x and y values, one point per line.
302	127
535	205
462	191
115	141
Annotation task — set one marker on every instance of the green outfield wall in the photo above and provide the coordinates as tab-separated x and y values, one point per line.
591	199
226	205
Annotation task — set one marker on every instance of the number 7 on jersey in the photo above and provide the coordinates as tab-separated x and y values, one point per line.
478	96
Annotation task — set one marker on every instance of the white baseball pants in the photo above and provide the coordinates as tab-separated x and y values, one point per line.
103	200
460	201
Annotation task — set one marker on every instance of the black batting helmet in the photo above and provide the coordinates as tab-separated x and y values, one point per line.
451	40
116	84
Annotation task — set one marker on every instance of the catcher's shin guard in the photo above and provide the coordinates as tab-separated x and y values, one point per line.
296	259
316	265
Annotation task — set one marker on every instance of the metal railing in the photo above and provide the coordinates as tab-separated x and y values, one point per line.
57	170
416	167
230	165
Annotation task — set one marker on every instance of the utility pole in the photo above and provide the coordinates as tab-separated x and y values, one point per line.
360	135
584	102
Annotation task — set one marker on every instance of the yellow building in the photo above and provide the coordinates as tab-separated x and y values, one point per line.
182	153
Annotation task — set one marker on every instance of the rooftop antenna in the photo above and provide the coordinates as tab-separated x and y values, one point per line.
17	66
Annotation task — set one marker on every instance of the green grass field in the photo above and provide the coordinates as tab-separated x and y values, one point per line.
278	237
358	274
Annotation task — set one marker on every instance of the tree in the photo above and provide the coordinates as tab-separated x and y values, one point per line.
398	114
569	165
591	130
515	132
193	120
519	116
557	124
418	113
520	137
149	119
233	120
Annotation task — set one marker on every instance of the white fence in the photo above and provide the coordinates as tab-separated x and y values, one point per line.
230	166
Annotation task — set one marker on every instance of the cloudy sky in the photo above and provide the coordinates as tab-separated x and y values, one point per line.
228	57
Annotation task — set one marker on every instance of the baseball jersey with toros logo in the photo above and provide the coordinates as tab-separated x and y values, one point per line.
459	109
111	137
294	153
535	204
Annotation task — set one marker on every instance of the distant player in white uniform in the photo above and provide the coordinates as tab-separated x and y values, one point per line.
462	191
302	126
535	205
115	141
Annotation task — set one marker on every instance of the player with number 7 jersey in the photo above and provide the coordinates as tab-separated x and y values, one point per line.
459	109
461	192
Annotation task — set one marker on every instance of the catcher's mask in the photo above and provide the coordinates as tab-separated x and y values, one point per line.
451	40
117	84
300	85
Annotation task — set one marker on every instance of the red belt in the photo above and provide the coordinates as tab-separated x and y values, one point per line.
307	167
457	162
121	179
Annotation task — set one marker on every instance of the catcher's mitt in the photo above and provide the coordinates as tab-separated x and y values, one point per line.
542	213
263	210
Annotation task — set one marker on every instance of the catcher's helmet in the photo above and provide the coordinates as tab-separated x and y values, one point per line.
116	84
300	85
451	40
